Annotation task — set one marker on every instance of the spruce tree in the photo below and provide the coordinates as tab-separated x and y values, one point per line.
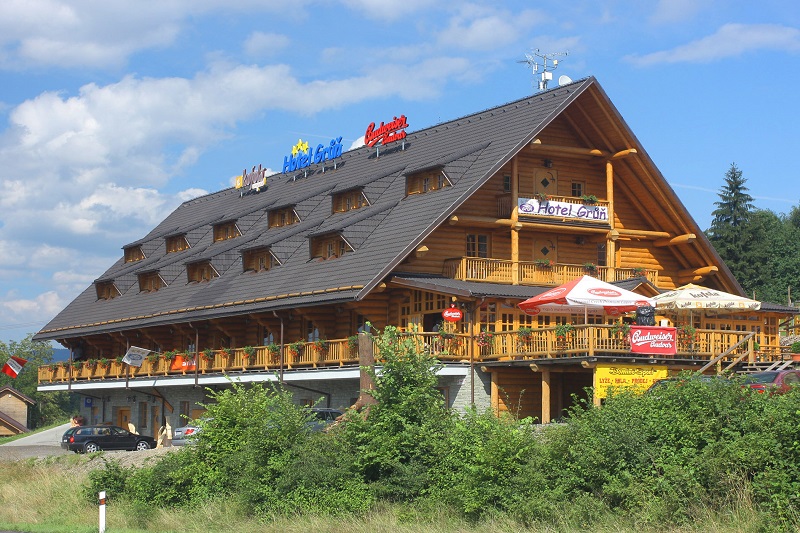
731	220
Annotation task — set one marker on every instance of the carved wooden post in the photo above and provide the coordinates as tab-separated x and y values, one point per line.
366	360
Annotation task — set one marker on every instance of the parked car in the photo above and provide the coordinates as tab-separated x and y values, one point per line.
774	382
185	435
88	439
323	417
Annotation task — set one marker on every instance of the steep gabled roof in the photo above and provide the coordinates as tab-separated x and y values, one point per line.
469	150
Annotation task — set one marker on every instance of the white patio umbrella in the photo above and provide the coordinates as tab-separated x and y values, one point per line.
586	294
689	297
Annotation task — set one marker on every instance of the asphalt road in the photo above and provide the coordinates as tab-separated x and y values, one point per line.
43	444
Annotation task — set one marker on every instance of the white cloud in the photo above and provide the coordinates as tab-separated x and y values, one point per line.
69	33
260	44
731	40
358	143
383	10
44	305
479	28
47	256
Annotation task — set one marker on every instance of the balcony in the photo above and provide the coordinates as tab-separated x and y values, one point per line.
541	343
532	273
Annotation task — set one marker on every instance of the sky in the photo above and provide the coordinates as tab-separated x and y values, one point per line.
113	113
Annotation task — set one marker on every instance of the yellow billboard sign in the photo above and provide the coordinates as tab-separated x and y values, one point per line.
637	377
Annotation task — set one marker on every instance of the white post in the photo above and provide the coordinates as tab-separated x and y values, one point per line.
102	496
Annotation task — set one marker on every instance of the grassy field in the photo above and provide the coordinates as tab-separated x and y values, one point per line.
47	496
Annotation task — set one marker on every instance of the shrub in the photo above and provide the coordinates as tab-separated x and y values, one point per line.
795	347
112	478
393	446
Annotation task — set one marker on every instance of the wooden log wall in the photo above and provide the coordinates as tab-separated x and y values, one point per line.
631	253
517	391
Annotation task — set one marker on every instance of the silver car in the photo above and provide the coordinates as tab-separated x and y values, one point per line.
185	435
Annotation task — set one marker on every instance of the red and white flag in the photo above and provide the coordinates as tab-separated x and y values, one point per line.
14	366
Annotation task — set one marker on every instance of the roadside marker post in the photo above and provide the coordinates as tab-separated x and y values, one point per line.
102	497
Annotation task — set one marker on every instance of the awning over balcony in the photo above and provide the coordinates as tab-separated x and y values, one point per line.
465	289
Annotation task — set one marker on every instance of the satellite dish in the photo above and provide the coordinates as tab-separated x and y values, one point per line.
563	80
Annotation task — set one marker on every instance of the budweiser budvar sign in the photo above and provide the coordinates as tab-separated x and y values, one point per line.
654	340
453	314
386	133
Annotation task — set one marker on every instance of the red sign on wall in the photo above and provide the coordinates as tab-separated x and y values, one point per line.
654	340
453	314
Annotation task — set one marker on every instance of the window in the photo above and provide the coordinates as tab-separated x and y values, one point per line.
601	255
477	245
225	231
506	183
106	290
283	217
349	200
312	331
150	282
142	416
177	243
426	181
259	260
133	254
202	271
329	247
577	189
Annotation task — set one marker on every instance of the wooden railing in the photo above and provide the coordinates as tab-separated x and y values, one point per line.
584	340
534	273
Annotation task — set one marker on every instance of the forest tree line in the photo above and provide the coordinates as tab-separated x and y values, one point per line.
758	245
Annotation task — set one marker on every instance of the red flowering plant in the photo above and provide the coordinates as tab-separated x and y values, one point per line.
484	338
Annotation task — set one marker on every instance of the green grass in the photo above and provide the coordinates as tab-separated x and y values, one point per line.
47	496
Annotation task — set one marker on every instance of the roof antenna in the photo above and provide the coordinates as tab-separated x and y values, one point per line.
538	62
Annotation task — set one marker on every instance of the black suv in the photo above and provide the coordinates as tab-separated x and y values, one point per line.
88	439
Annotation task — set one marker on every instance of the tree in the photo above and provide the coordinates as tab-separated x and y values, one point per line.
50	406
735	205
731	218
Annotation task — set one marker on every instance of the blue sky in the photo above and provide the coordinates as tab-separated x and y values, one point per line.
112	113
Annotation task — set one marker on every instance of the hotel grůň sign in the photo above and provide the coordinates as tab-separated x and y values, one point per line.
557	209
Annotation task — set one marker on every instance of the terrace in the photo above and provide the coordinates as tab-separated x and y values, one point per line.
724	347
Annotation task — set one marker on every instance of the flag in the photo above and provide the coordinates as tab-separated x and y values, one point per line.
14	366
135	356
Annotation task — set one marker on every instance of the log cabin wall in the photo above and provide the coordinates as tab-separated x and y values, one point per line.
516	391
632	253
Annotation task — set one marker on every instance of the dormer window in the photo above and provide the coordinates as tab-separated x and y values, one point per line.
227	230
348	200
133	254
177	243
258	260
329	247
422	182
150	282
106	290
283	217
201	271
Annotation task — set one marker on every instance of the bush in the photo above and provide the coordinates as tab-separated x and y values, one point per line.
112	478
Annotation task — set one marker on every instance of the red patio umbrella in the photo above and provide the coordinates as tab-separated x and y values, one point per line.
586	294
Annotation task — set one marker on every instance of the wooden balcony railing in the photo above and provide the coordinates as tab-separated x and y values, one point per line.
584	340
533	273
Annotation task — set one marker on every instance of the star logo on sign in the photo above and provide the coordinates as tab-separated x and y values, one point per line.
301	146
